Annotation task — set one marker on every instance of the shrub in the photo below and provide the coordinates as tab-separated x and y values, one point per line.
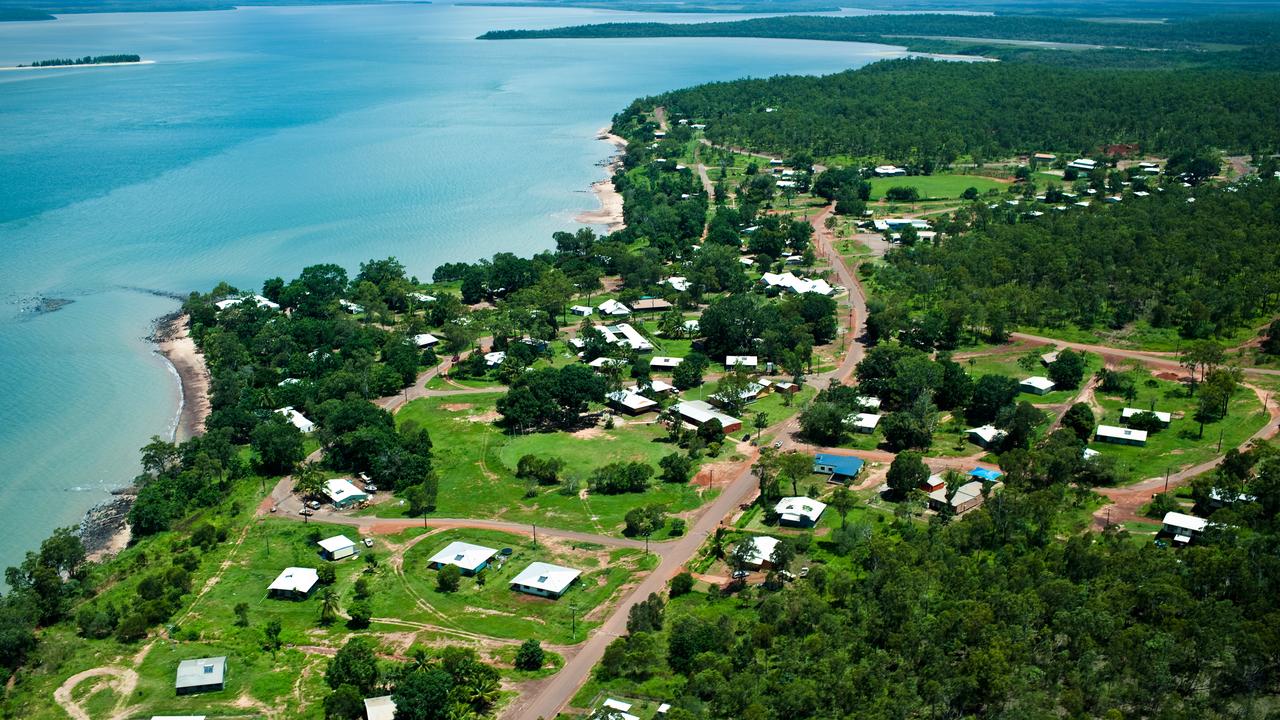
448	579
530	656
681	584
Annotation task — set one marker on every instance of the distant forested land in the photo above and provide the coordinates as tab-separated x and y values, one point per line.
1205	267
918	110
86	60
22	14
1251	31
42	9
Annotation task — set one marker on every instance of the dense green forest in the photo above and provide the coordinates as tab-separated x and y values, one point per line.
1260	30
1205	267
86	60
992	616
924	110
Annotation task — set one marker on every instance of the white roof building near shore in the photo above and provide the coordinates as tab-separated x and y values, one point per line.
380	708
425	340
298	420
663	362
545	579
762	547
613	307
295	580
1163	417
257	300
797	509
747	361
465	556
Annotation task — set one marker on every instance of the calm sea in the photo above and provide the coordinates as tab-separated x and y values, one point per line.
261	141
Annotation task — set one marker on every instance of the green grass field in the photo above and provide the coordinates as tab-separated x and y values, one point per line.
1008	364
936	186
1178	445
493	608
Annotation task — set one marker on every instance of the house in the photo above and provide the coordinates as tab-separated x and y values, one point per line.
677	283
297	419
1083	165
935	482
351	307
966	497
985	436
889	171
615	710
343	493
1220	498
762	547
544	579
863	422
337	547
629	402
797	285
786	386
422	297
256	299
889	224
425	340
1089	453
746	395
699	413
1184	528
985	474
602	361
613	307
799	511
1164	417
659	387
200	675
468	558
650	305
867	402
380	708
661	362
746	361
494	359
1049	358
1121	435
841	468
293	583
1045	157
690	327
625	334
1036	385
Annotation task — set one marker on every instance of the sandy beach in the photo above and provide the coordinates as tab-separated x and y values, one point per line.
610	212
65	67
173	340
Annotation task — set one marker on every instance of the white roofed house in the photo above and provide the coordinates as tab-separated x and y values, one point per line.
748	394
200	675
297	419
1037	385
699	413
761	550
1184	528
889	171
468	558
629	402
351	307
337	547
1121	435
660	362
422	297
744	361
425	340
380	708
1083	164
582	310
614	308
655	386
343	493
867	402
1129	413
799	511
625	334
863	422
985	436
294	583
255	299
677	283
545	580
494	359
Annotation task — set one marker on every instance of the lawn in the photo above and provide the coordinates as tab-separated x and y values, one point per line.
476	463
490	607
1180	444
936	186
1008	364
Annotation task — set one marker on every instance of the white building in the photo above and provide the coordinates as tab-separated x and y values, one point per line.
746	361
337	547
1184	528
762	547
602	361
863	422
256	299
1164	417
629	402
422	297
380	708
661	362
613	307
788	281
582	310
679	284
351	307
699	413
625	334
1121	435
468	558
294	583
545	579
889	171
1036	385
985	436
425	340
298	420
1083	164
494	359
343	493
885	224
799	511
655	386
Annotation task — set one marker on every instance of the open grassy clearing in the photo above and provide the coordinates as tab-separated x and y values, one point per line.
488	605
1142	336
936	186
1180	444
1009	364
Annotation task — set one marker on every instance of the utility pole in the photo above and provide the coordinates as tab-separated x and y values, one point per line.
1166	479
573	618
1220	432
535	534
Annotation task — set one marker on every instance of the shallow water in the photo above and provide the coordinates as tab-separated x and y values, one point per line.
261	141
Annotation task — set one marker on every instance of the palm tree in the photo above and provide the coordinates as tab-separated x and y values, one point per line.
308	480
328	606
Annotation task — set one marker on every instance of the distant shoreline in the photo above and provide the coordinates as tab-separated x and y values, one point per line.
81	65
610	212
173	341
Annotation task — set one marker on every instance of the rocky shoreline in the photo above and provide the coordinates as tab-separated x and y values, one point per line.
105	527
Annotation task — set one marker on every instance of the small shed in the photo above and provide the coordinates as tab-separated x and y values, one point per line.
337	547
1036	385
662	362
201	675
545	580
582	310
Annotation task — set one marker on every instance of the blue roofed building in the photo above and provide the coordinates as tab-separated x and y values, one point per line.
986	475
841	468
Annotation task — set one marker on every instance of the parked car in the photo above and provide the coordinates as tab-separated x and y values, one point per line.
777	444
305	511
787	575
804	571
371	489
368	542
314	504
739	574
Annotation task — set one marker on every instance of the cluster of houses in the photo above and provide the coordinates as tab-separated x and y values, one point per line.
539	578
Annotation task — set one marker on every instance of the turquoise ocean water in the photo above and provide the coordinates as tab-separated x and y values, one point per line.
263	140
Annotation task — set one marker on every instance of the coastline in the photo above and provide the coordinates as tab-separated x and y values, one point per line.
610	212
83	65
